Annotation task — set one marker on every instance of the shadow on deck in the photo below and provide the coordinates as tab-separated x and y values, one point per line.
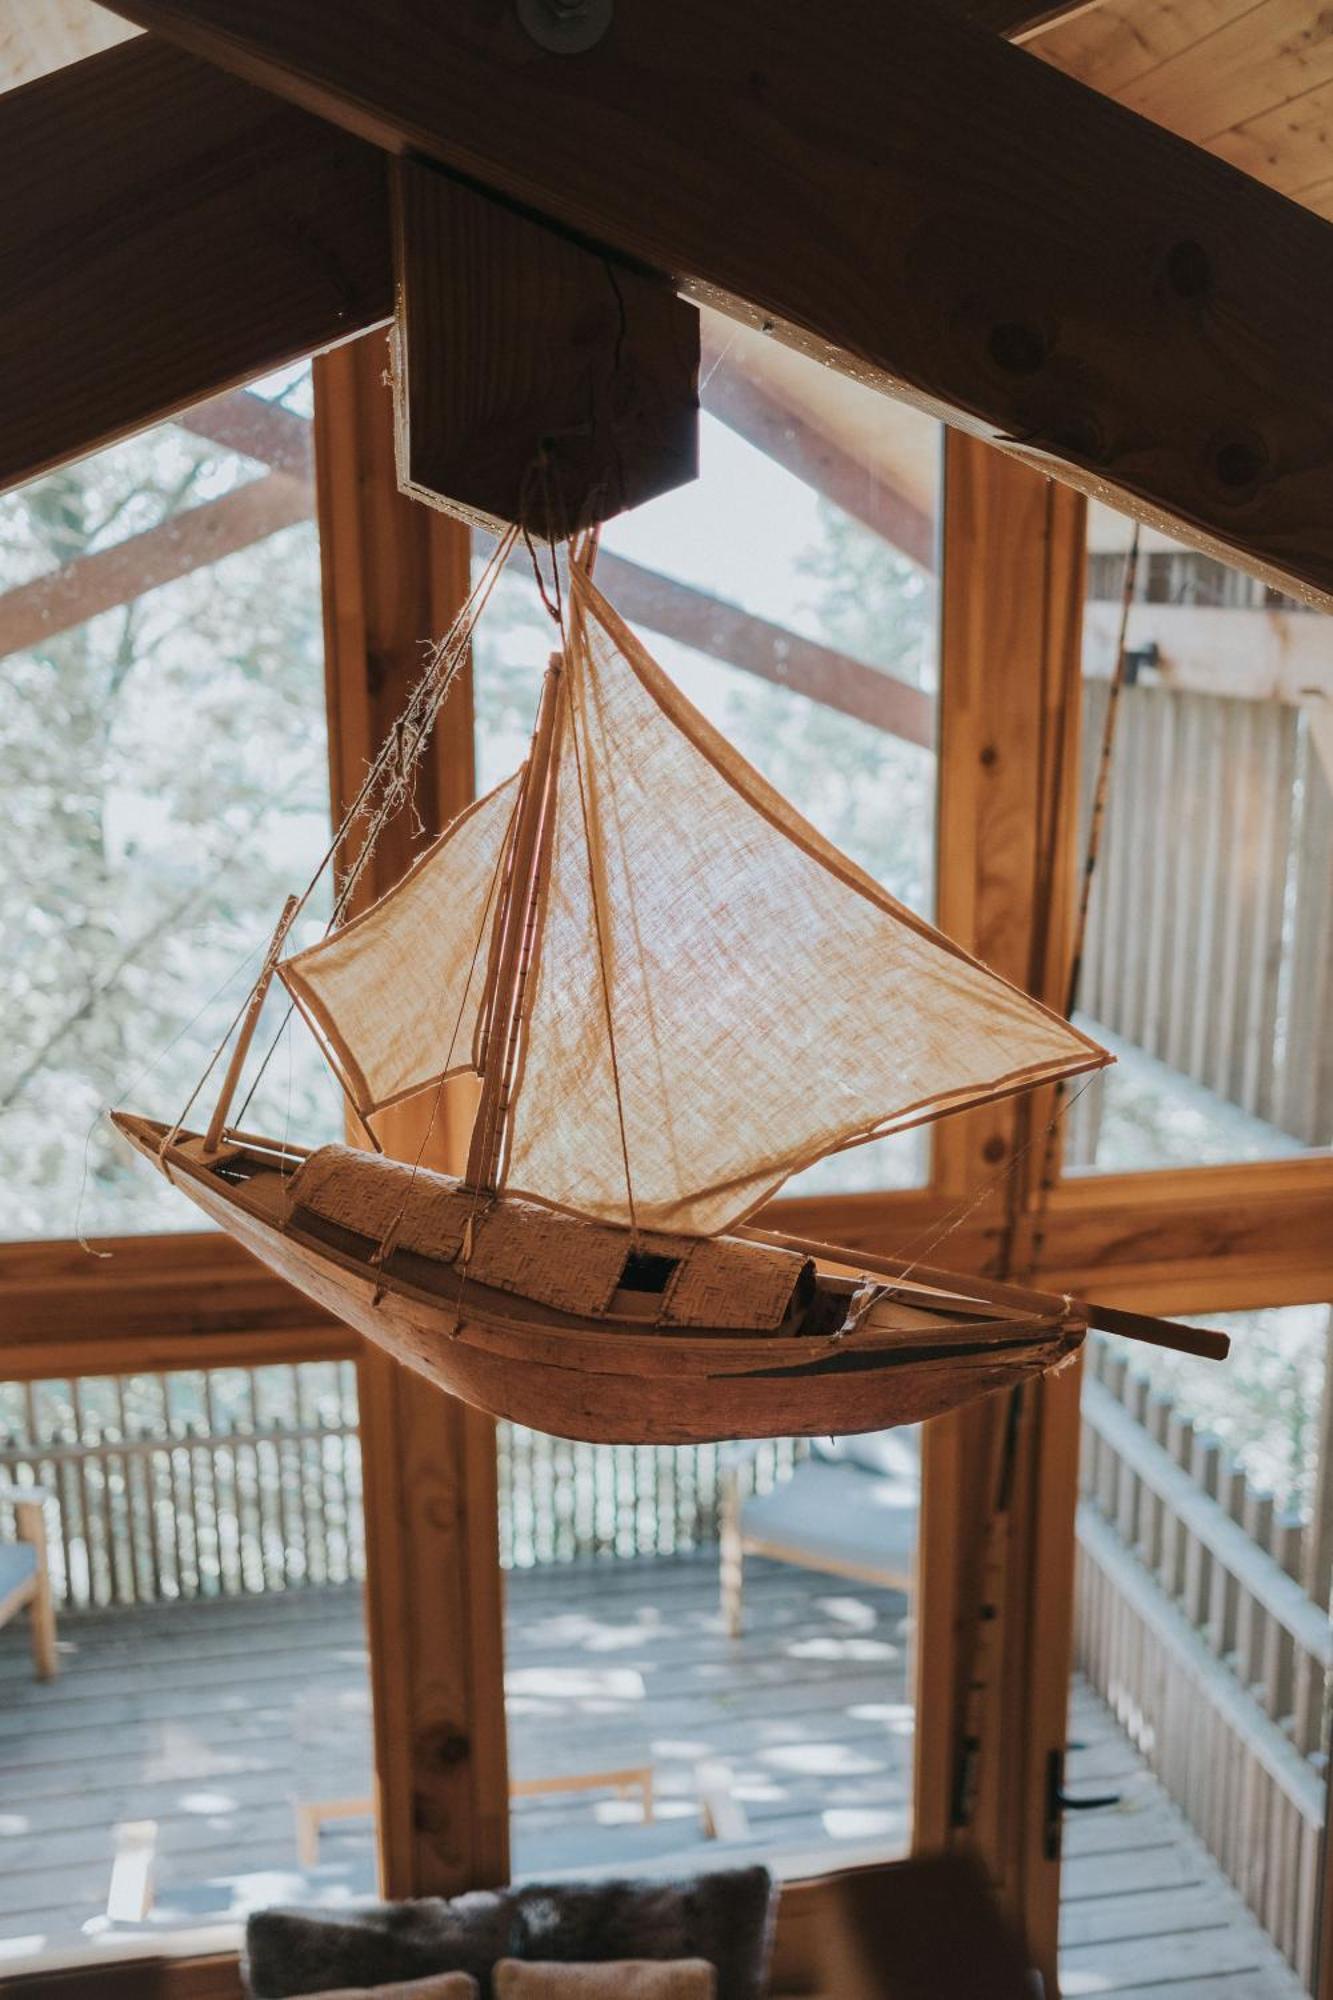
217	1721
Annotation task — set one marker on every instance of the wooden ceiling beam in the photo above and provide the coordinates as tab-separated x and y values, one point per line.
166	232
905	195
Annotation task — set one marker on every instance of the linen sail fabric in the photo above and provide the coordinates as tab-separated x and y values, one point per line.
395	994
767	1002
719	996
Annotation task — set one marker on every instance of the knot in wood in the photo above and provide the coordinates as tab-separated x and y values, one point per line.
442	1748
1018	349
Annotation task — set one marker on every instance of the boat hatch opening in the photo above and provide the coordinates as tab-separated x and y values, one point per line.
646	1272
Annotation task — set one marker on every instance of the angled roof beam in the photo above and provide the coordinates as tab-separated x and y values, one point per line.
36	612
906	195
738	638
256	428
860	488
166	232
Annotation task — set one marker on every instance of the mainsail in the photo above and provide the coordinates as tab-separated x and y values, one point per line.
717	997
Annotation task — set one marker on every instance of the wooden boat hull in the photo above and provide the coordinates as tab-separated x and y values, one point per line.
622	1384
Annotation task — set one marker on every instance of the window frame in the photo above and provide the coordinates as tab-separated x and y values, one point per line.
1218	1237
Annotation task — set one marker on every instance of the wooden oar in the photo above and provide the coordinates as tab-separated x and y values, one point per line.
950	1289
1203	1341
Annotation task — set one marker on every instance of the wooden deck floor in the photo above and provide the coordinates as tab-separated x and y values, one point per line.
212	1719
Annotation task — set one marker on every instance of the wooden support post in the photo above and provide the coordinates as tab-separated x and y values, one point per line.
394	576
1012	589
538	381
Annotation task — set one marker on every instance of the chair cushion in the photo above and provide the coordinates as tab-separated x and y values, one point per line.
724	1916
612	1979
895	1454
18	1565
836	1515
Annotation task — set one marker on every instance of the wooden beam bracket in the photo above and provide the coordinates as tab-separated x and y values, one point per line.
537	381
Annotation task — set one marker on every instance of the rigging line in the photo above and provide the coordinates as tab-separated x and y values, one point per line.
602	965
930	1240
1091	856
146	1069
453	649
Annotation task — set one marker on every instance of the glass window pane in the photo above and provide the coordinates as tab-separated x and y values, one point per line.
205	1747
1209	961
681	1696
791	593
163	761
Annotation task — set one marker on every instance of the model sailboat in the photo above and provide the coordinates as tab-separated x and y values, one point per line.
675	993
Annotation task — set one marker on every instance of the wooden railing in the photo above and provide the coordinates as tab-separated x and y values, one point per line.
200	1484
1210	930
1193	1624
221	1482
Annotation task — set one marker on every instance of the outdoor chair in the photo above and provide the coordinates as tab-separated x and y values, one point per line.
24	1577
849	1509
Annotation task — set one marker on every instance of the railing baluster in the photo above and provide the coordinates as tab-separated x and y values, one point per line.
1252	1622
1279	1672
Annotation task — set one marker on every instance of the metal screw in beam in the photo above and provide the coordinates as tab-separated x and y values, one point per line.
565	27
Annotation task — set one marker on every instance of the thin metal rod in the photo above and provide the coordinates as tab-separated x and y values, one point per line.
213	1137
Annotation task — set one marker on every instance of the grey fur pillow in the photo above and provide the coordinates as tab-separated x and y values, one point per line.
724	1917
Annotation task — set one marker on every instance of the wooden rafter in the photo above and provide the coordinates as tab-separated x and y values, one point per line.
167	232
255	428
724	631
39	611
1007	261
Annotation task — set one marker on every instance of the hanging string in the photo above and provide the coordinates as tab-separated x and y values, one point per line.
391	776
1091	856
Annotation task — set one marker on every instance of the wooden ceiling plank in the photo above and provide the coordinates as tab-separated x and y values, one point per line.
1008	262
1121	43
1253	65
167	232
1289	146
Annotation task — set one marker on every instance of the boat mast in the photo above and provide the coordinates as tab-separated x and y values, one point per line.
518	934
213	1136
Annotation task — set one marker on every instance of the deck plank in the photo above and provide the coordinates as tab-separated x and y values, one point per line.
212	1717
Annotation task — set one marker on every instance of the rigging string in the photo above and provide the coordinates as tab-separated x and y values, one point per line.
1091	856
393	768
